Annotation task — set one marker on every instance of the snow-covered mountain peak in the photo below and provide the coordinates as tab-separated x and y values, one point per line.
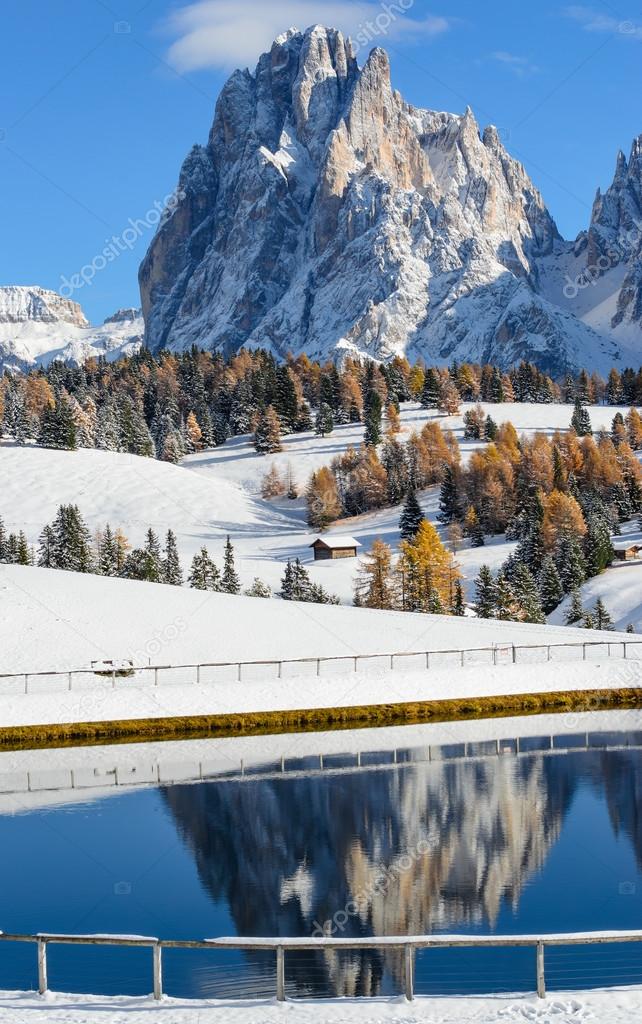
328	215
19	304
38	326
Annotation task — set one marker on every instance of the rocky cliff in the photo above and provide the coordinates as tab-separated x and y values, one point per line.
37	326
327	215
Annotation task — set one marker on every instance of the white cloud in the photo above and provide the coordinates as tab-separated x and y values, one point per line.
227	33
594	21
520	66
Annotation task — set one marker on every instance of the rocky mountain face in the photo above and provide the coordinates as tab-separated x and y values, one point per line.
327	215
37	326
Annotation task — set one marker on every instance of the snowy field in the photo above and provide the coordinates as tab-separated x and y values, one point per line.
218	492
606	1006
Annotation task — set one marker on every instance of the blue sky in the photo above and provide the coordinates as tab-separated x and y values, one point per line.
101	100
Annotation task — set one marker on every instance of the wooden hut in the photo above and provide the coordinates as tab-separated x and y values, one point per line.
335	547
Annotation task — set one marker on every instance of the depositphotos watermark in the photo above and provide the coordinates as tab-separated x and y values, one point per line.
377	886
381	25
118	244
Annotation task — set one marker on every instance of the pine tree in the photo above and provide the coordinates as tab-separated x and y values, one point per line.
430	390
258	589
23	552
449	497
153	560
485	597
57	426
267	436
46	549
490	429
411	517
527	595
580	420
3	541
230	583
602	618
324	423
372	419
459	605
550	586
588	620
203	574
295	585
506	605
598	550
473	528
570	562
108	557
575	611
68	542
171	571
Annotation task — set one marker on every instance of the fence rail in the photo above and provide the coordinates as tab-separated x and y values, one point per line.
408	944
84	679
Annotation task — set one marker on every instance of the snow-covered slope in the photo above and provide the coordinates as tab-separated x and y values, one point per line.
37	326
74	619
218	492
327	215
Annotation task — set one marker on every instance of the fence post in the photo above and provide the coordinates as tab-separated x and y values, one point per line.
42	966
408	971
26	682
541	981
583	652
155	677
280	974
514	654
70	680
157	954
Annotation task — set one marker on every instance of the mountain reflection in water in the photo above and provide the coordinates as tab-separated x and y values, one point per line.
409	850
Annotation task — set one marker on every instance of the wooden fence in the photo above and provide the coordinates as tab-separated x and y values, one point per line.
89	679
407	944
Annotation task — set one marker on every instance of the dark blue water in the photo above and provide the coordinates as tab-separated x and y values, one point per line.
509	844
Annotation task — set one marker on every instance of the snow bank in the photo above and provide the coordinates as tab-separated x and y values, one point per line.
617	1006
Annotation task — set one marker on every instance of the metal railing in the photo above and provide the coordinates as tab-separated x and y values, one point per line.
408	944
248	671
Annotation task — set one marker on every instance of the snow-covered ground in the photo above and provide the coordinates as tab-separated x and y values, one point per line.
220	494
57	620
615	1006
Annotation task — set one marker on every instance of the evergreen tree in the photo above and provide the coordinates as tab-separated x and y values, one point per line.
230	583
258	589
3	541
506	605
393	460
575	611
67	542
171	571
295	585
411	517
570	562
580	420
108	563
267	436
203	574
431	390
602	618
152	570
372	419
473	528
23	552
588	620
550	586
46	549
598	550
459	605
324	423
449	498
57	426
527	595
485	597
490	429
